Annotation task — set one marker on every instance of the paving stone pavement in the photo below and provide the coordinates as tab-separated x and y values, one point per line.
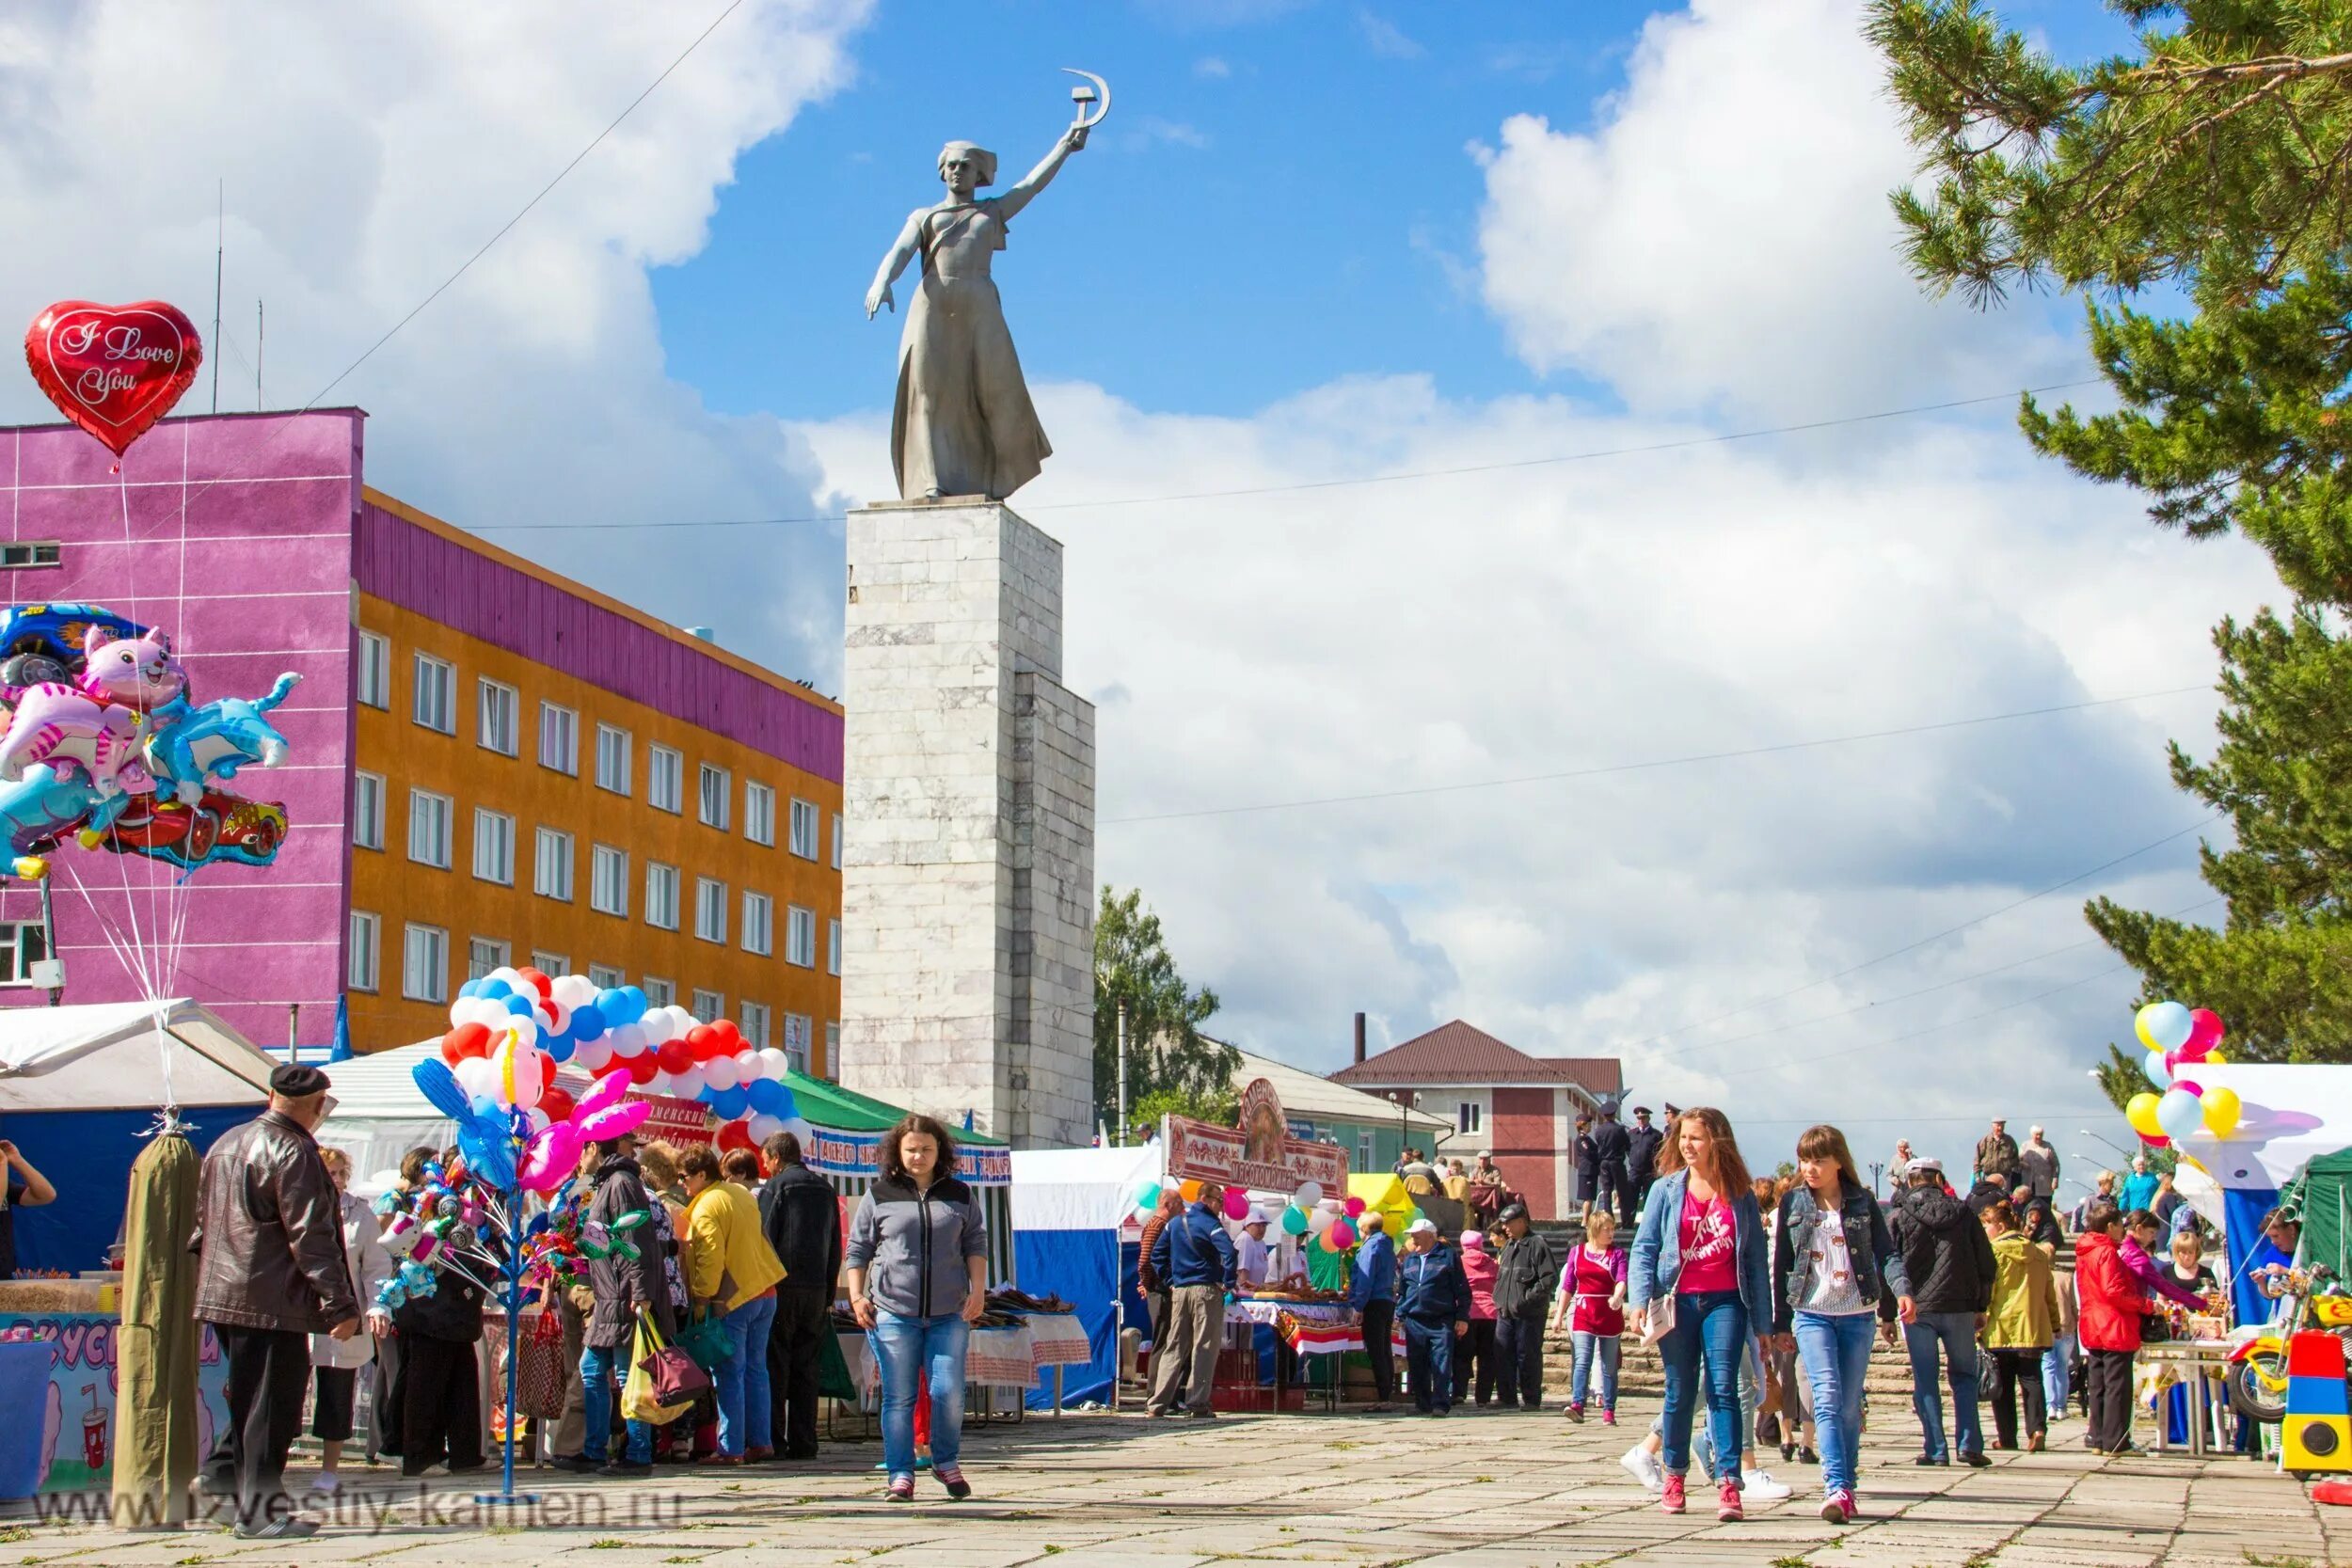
1480	1490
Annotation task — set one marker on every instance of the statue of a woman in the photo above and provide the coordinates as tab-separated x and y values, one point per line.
963	424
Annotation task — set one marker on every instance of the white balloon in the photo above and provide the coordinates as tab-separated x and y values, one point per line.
681	1021
525	1027
591	1056
558	1015
575	991
514	977
476	1076
763	1127
537	1118
774	1063
798	1128
656	1026
1309	1193
628	1040
723	1072
1320	1219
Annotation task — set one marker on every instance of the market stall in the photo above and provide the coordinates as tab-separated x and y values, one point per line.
1073	1237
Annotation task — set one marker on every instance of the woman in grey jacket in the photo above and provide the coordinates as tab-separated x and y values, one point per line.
917	1268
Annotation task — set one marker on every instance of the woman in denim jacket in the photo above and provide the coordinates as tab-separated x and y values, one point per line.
1826	1280
1700	1258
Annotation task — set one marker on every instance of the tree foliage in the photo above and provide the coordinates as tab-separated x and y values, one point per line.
2198	192
1166	1053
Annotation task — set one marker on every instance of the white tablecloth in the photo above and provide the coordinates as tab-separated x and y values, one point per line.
1268	1312
1058	1340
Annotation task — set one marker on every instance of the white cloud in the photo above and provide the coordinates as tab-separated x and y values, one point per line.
366	153
1211	68
1150	129
1721	237
1386	38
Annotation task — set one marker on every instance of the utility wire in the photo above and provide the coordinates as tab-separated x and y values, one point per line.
1680	444
1640	767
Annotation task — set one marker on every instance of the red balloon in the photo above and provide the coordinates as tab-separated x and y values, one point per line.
466	1040
539	982
2205	1030
641	1068
674	1056
702	1042
733	1037
113	370
735	1135
557	1103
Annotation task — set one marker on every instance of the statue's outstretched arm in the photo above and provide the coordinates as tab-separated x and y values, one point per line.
910	239
1039	177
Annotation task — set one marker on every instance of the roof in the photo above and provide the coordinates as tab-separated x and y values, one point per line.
114	1057
1313	1099
1457	1053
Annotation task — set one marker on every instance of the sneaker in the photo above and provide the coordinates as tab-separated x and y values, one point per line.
1974	1459
1763	1488
952	1478
1847	1502
902	1489
1609	1417
1837	1508
289	1528
1574	1412
623	1467
577	1463
323	1485
1644	1468
1670	1497
1928	1461
1727	1507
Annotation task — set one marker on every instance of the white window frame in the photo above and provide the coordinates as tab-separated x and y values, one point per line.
558	735
617	747
494	830
485	954
760	813
805	814
799	936
832	948
553	965
658	992
837	841
1469	1118
709	1006
833	1047
661	880
599	857
436	938
555	861
367	818
714	796
606	976
759	923
751	1019
448	829
710	909
363	964
498	716
372	680
665	779
797	1043
442	684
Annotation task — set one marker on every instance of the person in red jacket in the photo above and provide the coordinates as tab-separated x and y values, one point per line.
2112	1301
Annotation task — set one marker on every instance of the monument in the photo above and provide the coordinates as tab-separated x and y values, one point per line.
967	978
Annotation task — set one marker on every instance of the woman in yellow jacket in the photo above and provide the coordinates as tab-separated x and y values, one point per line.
729	1265
2019	1327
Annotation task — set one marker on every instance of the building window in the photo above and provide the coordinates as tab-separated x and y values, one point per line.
752	1019
498	725
374	678
1469	1115
1364	1152
367	811
606	978
837	841
612	759
759	923
436	704
833	1048
716	790
832	948
552	965
485	954
805	820
552	877
360	967
46	552
759	814
661	895
710	909
800	936
559	738
665	779
424	965
493	849
709	1006
659	993
796	1027
429	828
608	880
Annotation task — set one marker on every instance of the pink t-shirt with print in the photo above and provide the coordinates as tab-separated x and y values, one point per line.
1710	1248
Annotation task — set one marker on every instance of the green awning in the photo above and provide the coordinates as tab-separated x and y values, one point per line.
823	1103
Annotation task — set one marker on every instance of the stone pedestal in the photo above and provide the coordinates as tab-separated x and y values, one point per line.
968	898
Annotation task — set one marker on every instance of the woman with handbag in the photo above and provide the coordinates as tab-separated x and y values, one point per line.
730	1268
917	1269
336	1363
622	1287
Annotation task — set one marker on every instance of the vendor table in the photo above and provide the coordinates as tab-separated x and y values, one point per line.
2193	1364
80	1319
1057	1340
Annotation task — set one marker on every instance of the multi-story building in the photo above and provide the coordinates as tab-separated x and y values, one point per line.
490	765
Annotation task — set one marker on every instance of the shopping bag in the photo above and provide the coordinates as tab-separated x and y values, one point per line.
654	1362
708	1339
539	1368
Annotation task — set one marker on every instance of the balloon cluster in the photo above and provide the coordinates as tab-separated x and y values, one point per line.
2180	1041
445	1222
663	1051
1332	1222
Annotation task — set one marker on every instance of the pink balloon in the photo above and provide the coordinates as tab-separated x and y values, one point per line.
2191	1086
2205	1030
551	1158
613	1120
606	1090
1342	1234
1355	1208
1236	1204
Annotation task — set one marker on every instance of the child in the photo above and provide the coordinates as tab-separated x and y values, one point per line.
2111	1302
1592	1297
2019	1328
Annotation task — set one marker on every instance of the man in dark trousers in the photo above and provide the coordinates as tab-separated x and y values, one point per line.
1432	1301
1371	1291
270	1273
1587	1165
1610	1146
1643	1142
802	1215
1949	1260
1526	1277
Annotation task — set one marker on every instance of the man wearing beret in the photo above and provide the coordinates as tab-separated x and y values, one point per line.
269	1235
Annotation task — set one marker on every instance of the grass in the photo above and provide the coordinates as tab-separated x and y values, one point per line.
2264	1560
1794	1559
732	1486
608	1544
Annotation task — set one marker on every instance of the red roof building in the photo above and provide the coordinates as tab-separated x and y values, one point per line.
1499	1097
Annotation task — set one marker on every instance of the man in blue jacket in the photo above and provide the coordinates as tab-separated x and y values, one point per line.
1371	1293
1434	1300
1194	1258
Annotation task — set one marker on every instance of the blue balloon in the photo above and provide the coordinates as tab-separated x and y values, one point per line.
518	1006
495	989
587	1023
558	1047
791	1106
766	1096
471	987
626	1004
729	1103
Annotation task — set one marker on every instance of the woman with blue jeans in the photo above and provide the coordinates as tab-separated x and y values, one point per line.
731	1268
1834	1262
1702	1280
917	1268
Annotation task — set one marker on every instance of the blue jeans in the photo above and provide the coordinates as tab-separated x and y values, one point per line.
905	1350
1709	1335
1836	1353
2057	1375
599	1368
1429	1362
1591	1348
746	1414
1956	1334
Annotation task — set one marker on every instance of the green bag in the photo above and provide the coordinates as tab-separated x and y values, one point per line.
707	1339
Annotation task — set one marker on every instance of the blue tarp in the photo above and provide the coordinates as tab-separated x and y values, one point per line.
87	1156
1070	1235
1082	1268
2245	1208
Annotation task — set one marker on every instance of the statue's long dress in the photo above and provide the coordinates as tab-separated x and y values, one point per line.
963	424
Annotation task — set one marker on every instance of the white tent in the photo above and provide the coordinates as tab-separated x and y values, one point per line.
2291	1113
380	1114
116	1056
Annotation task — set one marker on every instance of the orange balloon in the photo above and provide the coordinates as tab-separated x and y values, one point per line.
1190	1189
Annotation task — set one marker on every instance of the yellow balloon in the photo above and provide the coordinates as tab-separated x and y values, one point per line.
2221	1112
2142	1114
2215	1058
2195	1163
2145	1038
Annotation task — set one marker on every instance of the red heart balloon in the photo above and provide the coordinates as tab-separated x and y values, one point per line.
113	370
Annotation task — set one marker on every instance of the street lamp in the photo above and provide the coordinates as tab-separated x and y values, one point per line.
2117	1147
